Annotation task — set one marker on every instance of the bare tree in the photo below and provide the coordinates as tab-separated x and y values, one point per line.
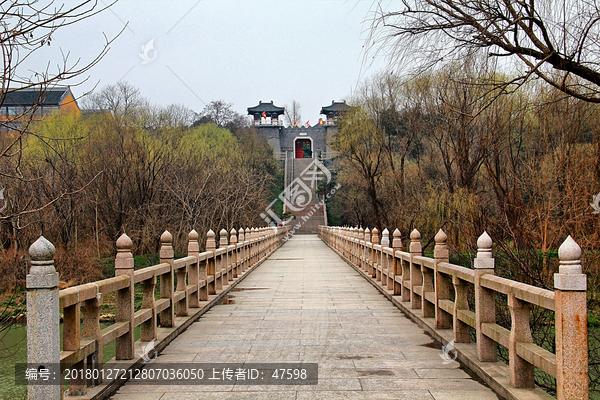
222	114
28	26
292	114
555	41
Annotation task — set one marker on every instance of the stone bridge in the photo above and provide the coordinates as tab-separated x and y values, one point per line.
338	315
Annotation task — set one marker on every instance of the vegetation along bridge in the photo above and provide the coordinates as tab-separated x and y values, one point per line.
250	318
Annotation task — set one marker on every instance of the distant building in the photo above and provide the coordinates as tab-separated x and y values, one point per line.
333	111
299	146
19	104
299	141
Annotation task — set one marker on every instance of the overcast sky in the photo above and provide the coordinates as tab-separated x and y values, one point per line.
239	51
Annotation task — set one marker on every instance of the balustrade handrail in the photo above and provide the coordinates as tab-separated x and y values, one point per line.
184	284
425	283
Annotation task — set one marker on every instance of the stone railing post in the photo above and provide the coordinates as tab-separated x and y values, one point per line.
443	282
361	245
461	329
485	300
233	240
259	244
343	242
348	237
366	250
90	329
570	284
211	263
242	242
405	265
195	272
385	242
396	263
225	258
181	308
416	278
148	328
356	240
43	335
373	263
349	243
166	280
354	245
252	246
428	285
521	371
124	298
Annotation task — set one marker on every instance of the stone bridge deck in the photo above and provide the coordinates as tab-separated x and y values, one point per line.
305	304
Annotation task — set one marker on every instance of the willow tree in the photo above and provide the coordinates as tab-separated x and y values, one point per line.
361	145
556	41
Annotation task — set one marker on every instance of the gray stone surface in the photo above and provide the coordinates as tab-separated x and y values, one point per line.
306	304
43	335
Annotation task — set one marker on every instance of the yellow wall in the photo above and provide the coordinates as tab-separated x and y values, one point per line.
69	104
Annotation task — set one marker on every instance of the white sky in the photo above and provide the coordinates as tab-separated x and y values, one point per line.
239	51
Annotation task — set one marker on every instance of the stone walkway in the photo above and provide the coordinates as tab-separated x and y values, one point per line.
306	304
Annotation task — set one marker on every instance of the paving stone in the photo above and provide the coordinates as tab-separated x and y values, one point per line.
314	308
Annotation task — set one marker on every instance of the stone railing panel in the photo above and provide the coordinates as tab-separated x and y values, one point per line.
423	288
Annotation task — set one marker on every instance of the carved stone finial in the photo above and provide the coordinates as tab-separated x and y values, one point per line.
484	259
361	234
569	254
484	245
440	250
397	240
42	250
241	236
441	237
166	238
124	243
224	241
367	235
415	235
375	236
385	237
415	242
166	245
570	275
41	253
233	236
211	244
193	245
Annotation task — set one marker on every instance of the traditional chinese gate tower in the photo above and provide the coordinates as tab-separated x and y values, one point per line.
304	150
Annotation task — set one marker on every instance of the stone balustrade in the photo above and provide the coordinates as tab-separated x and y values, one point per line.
188	286
422	287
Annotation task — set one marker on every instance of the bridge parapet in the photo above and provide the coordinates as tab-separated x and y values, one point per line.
187	290
423	287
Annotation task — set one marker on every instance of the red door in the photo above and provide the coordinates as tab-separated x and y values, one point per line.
299	149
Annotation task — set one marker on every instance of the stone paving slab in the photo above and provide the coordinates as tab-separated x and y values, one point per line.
305	304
